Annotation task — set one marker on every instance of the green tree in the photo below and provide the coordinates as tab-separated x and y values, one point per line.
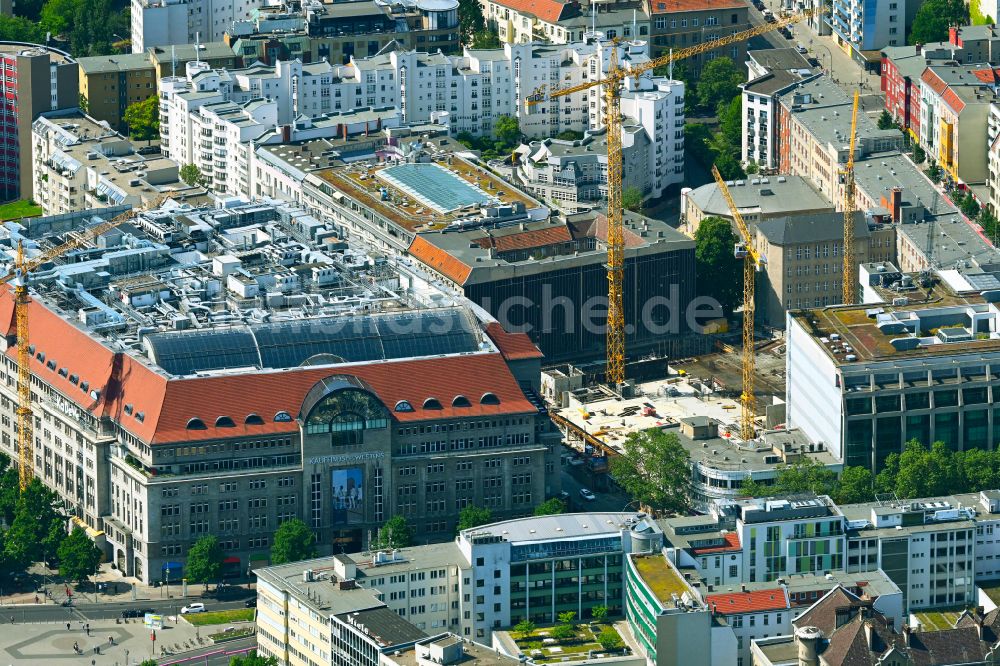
599	613
550	507
293	541
562	632
93	24
730	116
751	488
20	29
10	493
569	135
931	22
29	9
610	640
486	39
719	83
143	119
802	476
567	618
204	560
470	19
253	659
885	121
507	130
395	533
474	516
78	556
934	173
524	628
148	662
919	156
719	274
729	167
57	16
988	221
30	537
856	484
191	174
632	199
752	168
653	469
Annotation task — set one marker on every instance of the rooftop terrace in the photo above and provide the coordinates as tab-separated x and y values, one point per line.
410	204
662	579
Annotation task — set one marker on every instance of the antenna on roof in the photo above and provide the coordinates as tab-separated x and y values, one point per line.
593	17
173	60
635	30
670	73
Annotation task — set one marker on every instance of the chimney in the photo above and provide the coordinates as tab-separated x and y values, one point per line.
907	635
897	204
743	587
979	626
919	47
869	635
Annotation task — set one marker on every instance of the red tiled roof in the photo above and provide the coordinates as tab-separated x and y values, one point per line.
123	384
600	231
987	75
440	260
736	603
527	239
732	543
670	6
934	81
549	11
513	346
951	99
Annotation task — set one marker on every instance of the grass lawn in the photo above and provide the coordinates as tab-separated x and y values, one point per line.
938	620
18	209
545	650
992	590
220	617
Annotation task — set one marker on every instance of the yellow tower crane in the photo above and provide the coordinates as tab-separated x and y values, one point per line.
612	83
753	261
23	267
849	277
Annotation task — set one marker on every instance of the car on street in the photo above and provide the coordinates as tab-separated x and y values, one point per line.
564	496
801	49
587	495
250	603
193	608
786	33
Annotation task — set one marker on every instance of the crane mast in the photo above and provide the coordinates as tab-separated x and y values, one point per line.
23	267
612	84
752	262
849	278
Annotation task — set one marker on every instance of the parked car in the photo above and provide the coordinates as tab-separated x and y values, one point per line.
564	496
197	607
786	33
587	495
250	603
801	49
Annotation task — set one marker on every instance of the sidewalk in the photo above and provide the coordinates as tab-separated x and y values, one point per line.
23	643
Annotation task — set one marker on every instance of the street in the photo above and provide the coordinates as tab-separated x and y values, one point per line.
30	613
216	655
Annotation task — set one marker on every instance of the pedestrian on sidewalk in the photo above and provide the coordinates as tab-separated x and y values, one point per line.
67	626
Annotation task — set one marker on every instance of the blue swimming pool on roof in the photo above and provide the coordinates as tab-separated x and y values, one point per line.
433	186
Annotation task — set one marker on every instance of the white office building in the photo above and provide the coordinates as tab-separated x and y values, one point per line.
166	22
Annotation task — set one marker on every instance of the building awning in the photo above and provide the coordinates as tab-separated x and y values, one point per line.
173	566
231	560
260	557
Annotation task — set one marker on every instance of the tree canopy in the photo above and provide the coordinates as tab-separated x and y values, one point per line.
719	273
653	468
931	22
191	174
471	21
293	541
550	507
253	659
474	516
204	561
38	526
78	555
719	83
143	119
632	198
395	533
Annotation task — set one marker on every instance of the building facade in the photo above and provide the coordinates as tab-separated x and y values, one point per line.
36	79
679	24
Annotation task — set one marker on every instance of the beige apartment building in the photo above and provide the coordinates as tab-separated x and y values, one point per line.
804	260
676	24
